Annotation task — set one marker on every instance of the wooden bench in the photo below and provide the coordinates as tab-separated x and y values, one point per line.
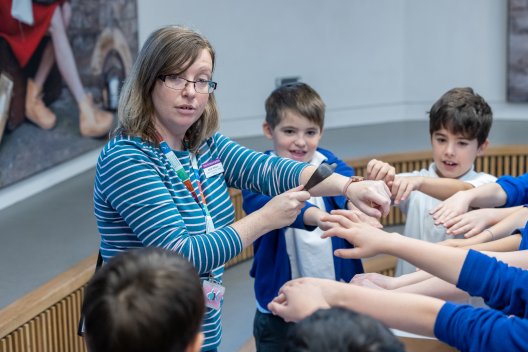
46	319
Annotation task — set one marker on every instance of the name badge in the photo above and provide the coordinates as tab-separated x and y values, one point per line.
213	167
213	294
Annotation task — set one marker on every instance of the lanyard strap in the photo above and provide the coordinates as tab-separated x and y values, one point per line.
184	177
178	167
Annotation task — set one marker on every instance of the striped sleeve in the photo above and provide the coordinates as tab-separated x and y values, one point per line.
138	204
258	172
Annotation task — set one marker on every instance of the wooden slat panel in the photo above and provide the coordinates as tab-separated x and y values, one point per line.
35	302
54	324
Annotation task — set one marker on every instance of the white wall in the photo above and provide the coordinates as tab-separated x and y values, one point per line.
456	43
372	61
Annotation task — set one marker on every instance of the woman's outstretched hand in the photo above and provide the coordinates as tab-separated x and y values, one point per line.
282	210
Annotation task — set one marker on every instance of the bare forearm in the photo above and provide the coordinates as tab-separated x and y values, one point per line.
435	287
251	227
506	244
518	259
442	188
412	278
331	186
312	215
428	256
487	196
420	311
512	219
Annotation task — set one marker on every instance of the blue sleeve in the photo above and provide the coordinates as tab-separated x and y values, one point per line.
253	201
524	238
479	329
502	287
516	189
247	169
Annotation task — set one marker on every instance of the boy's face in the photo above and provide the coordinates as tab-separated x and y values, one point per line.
453	154
295	137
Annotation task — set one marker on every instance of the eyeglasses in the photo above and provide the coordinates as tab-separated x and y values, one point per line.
201	86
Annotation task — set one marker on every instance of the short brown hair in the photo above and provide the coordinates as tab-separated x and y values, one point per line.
168	50
147	299
298	97
462	111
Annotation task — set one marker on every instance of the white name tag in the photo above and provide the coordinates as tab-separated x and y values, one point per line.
213	167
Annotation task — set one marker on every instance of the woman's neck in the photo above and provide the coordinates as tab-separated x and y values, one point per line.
174	141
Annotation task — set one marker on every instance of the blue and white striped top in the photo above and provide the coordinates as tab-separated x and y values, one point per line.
139	201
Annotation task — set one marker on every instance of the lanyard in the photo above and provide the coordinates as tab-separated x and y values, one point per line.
184	177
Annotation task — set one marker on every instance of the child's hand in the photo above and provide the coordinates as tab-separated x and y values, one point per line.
453	206
298	299
367	240
357	215
379	170
403	186
471	223
371	197
374	280
367	283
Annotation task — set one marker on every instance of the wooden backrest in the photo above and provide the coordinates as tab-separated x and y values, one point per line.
46	319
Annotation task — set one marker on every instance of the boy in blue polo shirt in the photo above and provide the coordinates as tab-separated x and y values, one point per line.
294	123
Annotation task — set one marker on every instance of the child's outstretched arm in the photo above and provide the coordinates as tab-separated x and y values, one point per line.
421	282
299	298
486	196
440	188
430	257
402	186
369	241
483	329
516	218
474	222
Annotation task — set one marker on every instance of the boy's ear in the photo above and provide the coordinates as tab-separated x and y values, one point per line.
482	148
196	343
267	130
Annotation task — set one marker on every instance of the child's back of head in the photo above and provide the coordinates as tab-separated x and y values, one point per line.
462	112
341	330
144	300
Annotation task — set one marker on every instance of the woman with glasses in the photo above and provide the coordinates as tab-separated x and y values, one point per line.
163	179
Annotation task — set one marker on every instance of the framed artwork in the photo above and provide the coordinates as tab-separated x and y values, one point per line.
517	71
45	124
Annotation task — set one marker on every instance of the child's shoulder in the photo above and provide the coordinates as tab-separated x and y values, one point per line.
328	154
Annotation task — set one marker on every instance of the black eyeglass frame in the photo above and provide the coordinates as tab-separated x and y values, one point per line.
211	84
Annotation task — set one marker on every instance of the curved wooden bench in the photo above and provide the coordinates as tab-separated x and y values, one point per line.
46	319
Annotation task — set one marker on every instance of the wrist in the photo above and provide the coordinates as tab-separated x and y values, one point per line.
261	221
391	244
491	235
312	215
421	182
334	294
351	180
